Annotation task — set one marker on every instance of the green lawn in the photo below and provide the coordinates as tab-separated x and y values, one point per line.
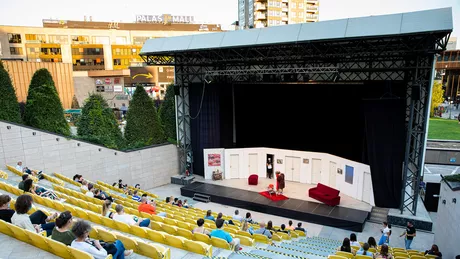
444	129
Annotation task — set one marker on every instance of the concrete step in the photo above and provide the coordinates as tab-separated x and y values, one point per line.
379	215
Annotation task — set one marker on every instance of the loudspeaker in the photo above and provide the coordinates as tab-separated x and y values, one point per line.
416	89
176	89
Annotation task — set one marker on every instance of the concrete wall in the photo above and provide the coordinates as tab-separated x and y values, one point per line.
442	156
149	167
446	227
361	188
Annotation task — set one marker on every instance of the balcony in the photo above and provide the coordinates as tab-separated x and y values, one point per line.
285	9
285	1
312	8
284	18
312	2
260	6
311	16
260	16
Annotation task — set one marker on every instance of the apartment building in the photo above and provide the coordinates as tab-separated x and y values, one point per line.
264	13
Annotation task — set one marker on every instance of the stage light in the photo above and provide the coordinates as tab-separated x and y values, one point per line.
208	79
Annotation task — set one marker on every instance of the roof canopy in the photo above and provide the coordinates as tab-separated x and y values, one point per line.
428	21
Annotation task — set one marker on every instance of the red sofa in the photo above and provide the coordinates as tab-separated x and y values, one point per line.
253	179
325	194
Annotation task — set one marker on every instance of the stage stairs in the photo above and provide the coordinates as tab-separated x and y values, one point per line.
379	215
201	197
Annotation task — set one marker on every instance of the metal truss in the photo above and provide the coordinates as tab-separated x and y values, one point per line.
417	114
264	71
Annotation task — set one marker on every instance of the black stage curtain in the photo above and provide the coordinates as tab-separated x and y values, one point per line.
212	128
385	139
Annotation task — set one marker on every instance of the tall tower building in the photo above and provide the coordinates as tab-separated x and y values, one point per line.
264	13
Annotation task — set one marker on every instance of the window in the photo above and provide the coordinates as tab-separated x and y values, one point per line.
36	37
140	40
101	40
117	62
120	40
14	38
453	56
87	51
79	38
293	5
62	39
15	50
446	57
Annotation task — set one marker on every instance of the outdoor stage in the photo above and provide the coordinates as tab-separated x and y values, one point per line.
350	215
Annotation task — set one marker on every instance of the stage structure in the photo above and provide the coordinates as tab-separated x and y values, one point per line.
398	47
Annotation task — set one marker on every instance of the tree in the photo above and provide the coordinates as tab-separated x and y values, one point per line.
98	124
9	110
75	104
437	96
167	114
142	123
43	107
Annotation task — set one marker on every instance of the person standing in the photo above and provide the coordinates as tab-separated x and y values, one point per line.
280	184
269	168
386	232
409	234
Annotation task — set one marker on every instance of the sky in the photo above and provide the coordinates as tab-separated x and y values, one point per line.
31	12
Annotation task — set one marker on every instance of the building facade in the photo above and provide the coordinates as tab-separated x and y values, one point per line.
99	46
264	13
448	70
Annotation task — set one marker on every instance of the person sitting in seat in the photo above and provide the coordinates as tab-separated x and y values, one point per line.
263	231
175	201
346	247
90	192
61	232
354	240
245	227
81	230
21	183
271	189
372	243
98	194
383	253
36	222
78	178
200	229
84	185
300	228
363	250
149	207
137	186
290	227
237	216
270	227
220	233
433	251
249	218
26	170
209	216
30	187
185	204
129	219
284	230
136	197
106	209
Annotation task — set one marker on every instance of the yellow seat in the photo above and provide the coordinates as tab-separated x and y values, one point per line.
149	250
81	213
184	233
246	241
294	234
417	257
128	242
399	249
58	248
284	236
230	230
82	255
198	247
38	240
156	236
184	225
95	218
220	243
244	233
431	256
105	234
174	241
19	233
139	231
108	222
169	221
336	257
356	248
69	208
122	226
372	250
156	226
262	238
276	237
4	228
156	218
344	254
363	257
401	254
202	238
170	229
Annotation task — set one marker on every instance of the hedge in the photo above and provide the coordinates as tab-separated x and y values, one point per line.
9	110
167	114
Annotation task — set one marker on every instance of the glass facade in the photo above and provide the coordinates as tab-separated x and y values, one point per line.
245	14
15	50
59	39
124	55
88	57
14	38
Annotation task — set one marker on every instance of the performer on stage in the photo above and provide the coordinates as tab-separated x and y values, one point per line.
269	169
280	184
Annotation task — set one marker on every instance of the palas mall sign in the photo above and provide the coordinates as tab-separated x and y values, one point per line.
165	18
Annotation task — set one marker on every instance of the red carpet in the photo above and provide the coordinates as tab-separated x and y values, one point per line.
274	197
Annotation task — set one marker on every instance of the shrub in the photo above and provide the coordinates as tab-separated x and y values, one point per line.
75	104
9	107
168	114
142	123
98	124
43	107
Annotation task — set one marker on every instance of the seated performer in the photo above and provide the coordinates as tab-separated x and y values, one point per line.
271	189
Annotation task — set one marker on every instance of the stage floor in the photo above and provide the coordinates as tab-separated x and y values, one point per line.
292	190
300	209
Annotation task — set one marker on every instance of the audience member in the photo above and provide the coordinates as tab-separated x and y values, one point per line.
84	185
121	185
61	232
167	200
175	201
283	229
270	227
5	212
106	209
129	219
263	231
346	246
290	227
36	222
353	240
81	230
28	171
90	193
300	228
99	195
149	207
171	200
78	178
372	243
185	204
249	219
245	227
363	250
21	183
209	216
386	232
179	203
383	253
136	197
237	216
137	186
433	251
30	187
200	228
219	233
409	234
